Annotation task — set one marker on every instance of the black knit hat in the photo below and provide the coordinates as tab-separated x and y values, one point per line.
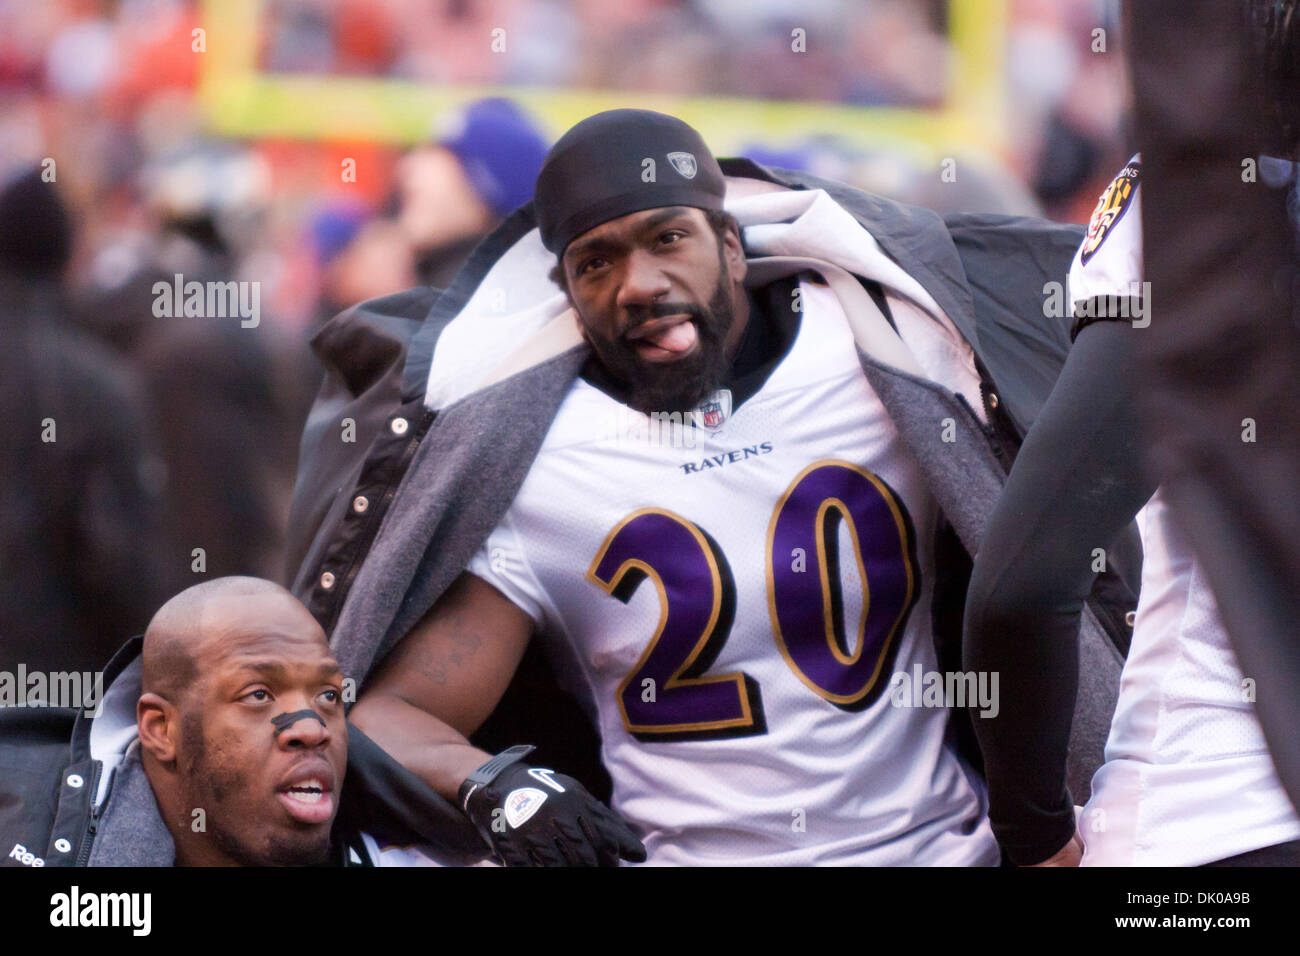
35	229
620	162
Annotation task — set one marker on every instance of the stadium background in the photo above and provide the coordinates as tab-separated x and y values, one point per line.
273	146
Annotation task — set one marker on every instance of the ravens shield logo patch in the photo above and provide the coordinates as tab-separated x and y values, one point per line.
1112	205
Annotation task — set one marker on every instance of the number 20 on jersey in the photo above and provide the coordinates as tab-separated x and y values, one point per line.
697	599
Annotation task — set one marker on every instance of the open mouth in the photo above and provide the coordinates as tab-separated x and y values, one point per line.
665	339
309	792
308	799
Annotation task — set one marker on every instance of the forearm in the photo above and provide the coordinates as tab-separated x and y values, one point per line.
442	681
1076	483
572	828
435	752
1034	652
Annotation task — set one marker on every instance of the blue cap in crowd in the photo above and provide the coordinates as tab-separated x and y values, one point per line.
501	151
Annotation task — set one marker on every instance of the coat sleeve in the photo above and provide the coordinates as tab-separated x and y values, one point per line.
393	805
34	751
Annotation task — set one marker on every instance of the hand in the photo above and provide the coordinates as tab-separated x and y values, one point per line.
1068	855
535	817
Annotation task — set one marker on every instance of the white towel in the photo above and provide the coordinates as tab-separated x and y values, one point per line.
518	318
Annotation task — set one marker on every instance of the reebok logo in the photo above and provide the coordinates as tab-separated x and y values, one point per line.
25	856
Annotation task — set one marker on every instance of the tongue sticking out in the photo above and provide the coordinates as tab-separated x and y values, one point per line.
676	338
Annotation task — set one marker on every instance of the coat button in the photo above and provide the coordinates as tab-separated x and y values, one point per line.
327	580
993	399
62	845
75	781
399	426
1131	618
360	503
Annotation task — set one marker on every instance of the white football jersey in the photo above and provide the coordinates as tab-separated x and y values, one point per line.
398	855
1188	778
735	611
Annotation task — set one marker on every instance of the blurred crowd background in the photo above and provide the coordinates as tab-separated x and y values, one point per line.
172	435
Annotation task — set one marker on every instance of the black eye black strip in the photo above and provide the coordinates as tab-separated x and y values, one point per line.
283	722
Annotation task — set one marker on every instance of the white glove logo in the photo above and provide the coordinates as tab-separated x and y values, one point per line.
521	804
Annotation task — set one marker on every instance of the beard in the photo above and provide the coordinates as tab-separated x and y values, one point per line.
680	385
232	825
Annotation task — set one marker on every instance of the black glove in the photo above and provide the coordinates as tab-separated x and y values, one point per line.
532	816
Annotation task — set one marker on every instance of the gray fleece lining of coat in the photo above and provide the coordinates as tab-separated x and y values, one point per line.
131	831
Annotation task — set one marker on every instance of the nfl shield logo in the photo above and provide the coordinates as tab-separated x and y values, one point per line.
684	163
713	411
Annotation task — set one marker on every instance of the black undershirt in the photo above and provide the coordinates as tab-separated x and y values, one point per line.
773	324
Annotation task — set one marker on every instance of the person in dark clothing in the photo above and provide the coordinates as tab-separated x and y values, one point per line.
78	530
1188	779
225	394
226	403
1213	90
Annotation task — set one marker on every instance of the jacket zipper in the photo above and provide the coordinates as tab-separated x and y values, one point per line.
88	836
986	391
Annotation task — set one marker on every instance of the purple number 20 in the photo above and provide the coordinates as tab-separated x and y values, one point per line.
666	695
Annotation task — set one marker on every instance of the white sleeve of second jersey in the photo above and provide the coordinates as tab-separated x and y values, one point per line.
501	563
1115	266
406	856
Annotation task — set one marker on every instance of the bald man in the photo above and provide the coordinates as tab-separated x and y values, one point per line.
241	717
220	741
